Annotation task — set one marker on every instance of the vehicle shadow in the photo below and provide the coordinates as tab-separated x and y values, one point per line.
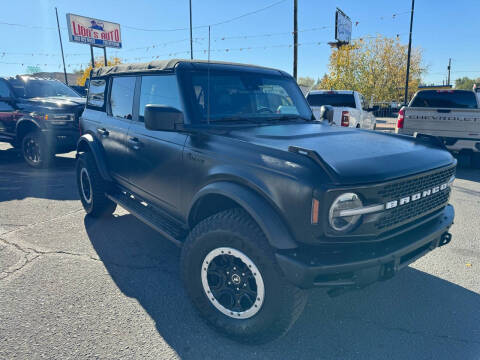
466	171
19	181
414	315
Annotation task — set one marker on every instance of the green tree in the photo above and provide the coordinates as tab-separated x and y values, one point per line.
465	83
375	67
306	81
33	69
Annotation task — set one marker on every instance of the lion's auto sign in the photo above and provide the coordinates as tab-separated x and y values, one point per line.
91	31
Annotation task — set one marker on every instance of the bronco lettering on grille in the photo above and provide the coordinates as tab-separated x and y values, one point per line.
414	197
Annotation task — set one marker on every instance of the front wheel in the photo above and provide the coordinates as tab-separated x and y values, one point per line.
92	188
35	150
231	275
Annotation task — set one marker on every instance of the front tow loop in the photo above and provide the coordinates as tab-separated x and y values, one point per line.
445	239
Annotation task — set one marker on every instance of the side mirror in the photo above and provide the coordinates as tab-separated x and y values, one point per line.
162	118
326	113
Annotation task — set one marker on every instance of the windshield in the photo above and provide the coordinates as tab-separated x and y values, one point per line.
445	99
338	100
245	96
31	88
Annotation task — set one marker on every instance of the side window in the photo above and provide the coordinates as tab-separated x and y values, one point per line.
362	102
121	96
4	90
96	93
159	90
4	93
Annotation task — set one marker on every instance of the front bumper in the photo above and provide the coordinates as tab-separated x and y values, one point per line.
358	266
62	140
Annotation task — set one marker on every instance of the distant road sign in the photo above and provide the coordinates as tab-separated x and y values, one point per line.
95	32
343	27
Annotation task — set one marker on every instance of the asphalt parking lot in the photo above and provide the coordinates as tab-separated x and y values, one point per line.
72	287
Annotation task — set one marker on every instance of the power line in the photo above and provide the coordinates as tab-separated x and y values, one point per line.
206	26
247	14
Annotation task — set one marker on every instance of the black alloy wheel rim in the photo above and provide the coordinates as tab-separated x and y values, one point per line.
32	150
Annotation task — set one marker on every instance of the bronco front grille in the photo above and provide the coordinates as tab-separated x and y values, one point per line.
420	183
414	209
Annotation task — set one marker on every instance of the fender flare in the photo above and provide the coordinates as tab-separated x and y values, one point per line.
97	152
27	119
275	230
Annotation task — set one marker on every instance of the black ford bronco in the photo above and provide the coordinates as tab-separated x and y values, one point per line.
39	116
227	161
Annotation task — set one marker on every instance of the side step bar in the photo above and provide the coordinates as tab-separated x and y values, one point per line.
153	218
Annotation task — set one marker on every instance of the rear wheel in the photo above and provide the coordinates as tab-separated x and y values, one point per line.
92	188
231	275
35	150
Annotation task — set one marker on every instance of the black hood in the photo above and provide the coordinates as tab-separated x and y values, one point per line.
55	102
356	156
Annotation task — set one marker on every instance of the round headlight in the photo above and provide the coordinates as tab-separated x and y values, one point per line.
347	201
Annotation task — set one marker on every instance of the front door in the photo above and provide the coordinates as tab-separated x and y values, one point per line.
156	156
114	128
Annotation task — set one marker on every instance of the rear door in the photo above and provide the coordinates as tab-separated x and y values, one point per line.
156	159
114	128
450	113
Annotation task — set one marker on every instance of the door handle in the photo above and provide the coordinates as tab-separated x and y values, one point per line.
135	143
103	132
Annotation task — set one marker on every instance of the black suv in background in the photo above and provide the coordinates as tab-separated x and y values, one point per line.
228	162
39	116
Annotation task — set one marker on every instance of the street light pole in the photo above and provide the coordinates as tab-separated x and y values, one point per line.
191	40
295	39
409	53
61	48
448	68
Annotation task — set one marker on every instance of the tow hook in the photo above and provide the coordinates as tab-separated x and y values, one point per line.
445	239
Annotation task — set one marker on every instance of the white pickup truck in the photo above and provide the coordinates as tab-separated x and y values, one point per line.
451	115
348	107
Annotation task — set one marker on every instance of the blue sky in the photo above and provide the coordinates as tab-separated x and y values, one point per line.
442	29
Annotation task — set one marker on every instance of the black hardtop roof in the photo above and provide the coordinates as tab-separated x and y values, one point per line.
160	65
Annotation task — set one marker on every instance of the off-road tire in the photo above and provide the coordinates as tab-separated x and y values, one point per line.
44	154
283	302
96	203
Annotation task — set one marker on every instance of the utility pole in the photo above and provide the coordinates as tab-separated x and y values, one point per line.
91	54
191	40
61	47
409	52
295	39
105	55
449	66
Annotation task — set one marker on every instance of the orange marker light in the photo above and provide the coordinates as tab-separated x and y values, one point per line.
315	205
